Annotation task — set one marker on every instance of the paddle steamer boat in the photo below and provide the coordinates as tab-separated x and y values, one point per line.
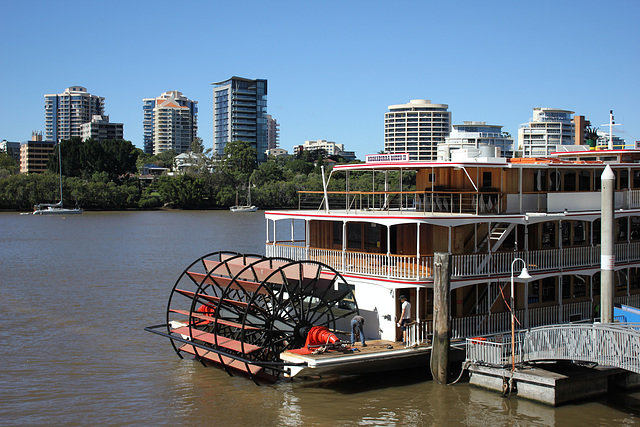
486	212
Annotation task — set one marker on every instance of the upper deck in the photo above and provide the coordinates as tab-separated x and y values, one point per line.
483	211
481	186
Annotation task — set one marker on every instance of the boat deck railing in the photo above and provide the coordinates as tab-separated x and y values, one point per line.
497	326
420	268
454	201
448	201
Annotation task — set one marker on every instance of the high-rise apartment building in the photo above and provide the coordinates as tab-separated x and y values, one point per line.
273	133
100	129
65	113
548	128
240	114
476	135
416	128
170	122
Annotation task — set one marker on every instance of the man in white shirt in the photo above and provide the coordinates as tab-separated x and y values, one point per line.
405	317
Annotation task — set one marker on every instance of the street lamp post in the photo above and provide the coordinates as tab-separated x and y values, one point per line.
524	275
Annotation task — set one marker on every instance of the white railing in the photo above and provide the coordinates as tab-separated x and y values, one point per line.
500	323
411	267
634	198
419	333
630	300
493	353
627	252
294	252
612	344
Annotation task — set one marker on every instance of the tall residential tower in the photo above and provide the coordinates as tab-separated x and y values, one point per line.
240	114
416	128
170	122
65	113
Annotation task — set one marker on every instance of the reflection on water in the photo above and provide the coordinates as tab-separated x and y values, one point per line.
76	292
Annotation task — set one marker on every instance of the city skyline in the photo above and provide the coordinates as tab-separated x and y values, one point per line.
333	68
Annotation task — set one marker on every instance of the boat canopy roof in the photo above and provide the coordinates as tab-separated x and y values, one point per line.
598	159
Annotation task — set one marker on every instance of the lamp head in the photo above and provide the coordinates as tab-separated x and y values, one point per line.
524	275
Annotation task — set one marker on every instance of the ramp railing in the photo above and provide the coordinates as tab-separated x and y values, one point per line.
612	344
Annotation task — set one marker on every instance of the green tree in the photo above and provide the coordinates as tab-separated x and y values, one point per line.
8	166
239	161
120	158
82	159
183	191
164	159
197	146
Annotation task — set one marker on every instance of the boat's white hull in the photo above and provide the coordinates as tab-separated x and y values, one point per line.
243	208
57	211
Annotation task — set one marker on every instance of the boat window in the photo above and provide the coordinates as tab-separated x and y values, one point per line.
486	179
636	179
624	179
566	233
372	242
621	281
554	180
566	287
337	233
548	235
580	286
569	180
595	233
622	229
534	292
635	228
540	180
634	278
549	289
354	235
596	286
584	180
578	233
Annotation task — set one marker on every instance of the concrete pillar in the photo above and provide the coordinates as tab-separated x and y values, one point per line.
441	316
607	257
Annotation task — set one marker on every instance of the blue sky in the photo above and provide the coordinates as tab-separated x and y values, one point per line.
333	67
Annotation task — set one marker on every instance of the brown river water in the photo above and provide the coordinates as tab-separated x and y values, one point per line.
77	291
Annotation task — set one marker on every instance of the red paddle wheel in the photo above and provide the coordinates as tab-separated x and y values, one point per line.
242	311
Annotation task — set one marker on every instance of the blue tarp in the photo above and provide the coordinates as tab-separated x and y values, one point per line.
626	313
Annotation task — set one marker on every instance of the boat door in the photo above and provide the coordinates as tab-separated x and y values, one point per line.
410	293
421	301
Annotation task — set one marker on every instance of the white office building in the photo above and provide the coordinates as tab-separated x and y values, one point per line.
100	129
476	135
416	128
330	147
548	128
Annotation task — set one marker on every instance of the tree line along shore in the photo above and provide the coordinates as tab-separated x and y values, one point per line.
105	175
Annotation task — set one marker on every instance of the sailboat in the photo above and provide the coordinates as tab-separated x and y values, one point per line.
55	208
244	208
